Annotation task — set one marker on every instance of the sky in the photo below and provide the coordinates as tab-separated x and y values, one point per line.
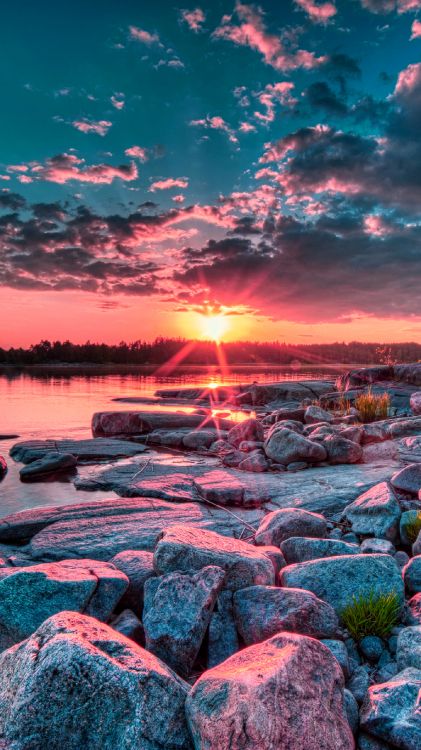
176	169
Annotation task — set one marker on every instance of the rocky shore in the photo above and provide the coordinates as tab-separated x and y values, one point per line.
256	584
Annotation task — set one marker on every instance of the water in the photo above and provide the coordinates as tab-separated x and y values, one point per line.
39	406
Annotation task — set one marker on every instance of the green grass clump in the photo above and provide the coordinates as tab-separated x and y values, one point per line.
413	527
372	407
373	614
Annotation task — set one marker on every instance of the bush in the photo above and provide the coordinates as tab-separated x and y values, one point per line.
372	407
413	527
374	614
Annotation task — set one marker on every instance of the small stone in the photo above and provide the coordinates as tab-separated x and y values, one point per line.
233	458
358	683
255	461
372	648
298	548
297	466
407	520
401	558
248	446
408	480
342	451
199	439
408	651
129	625
286	446
351	710
286	522
386	672
353	654
375	513
373	545
415	402
350	538
392	643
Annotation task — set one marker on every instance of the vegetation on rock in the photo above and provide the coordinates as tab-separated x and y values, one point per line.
375	614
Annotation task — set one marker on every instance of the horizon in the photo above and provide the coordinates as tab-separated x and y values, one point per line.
224	170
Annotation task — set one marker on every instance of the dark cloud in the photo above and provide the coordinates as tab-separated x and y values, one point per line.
321	95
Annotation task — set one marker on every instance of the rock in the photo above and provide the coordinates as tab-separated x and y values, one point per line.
286	446
262	611
371	648
340	653
275	555
222	633
248	446
412	575
380	546
376	432
286	424
413	613
342	451
408	650
317	414
337	580
415	403
391	710
138	567
353	433
86	586
51	463
407	528
220	446
401	558
250	429
294	413
375	453
365	742
353	654
130	626
408	480
297	466
186	549
375	513
233	458
3	468
416	547
298	548
351	711
255	461
350	538
286	692
386	672
168	438
92	449
177	611
109	423
288	522
199	439
405	427
218	486
77	683
358	683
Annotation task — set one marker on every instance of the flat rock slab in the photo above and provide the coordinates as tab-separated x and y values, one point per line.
92	449
109	423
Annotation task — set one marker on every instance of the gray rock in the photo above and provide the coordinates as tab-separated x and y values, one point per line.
117	423
187	549
30	595
297	466
262	611
233	458
353	654
376	432
416	547
340	652
408	651
250	429
286	446
177	611
351	710
287	522
375	513
138	567
342	451
255	461
338	579
130	626
412	575
169	438
275	555
199	439
358	683
366	742
373	545
401	558
298	548
88	450
222	633
407	520
295	413
350	538
315	414
413	612
405	427
353	433
371	648
248	446
51	463
391	710
415	403
386	672
286	424
408	480
286	692
77	683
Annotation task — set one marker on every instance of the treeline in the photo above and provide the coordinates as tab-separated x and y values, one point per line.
161	350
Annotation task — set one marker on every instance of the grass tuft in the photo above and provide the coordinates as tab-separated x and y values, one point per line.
372	407
413	527
373	614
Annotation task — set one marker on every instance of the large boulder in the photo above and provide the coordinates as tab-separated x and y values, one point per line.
300	548
287	446
263	611
30	595
408	480
76	683
408	650
248	430
187	549
415	403
375	513
51	463
138	567
287	522
391	710
405	427
342	451
338	579
286	692
177	612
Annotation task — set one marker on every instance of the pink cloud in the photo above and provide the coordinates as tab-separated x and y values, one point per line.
170	182
276	92
194	19
66	167
178	198
409	79
251	32
388	6
416	30
117	100
216	123
376	226
137	152
247	127
140	35
101	127
319	13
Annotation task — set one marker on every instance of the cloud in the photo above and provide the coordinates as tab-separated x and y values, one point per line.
140	35
273	93
137	152
416	30
318	12
67	167
193	18
250	31
168	183
118	100
101	127
388	6
215	123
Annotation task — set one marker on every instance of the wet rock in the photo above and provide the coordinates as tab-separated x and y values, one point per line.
177	611
286	692
413	612
375	513
199	439
290	522
359	683
317	414
415	403
371	648
391	710
222	634
30	595
298	548
408	650
412	575
351	711
342	451
408	480
255	461
138	567
337	580
51	463
130	626
77	683
91	449
250	429
184	548
286	446
262	611
340	653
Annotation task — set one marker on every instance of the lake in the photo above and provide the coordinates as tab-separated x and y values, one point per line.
60	403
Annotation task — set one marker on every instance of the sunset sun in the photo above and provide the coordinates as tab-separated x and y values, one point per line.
214	326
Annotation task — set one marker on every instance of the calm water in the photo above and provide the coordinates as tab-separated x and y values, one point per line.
54	406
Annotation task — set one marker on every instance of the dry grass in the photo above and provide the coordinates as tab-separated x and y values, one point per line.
374	614
372	407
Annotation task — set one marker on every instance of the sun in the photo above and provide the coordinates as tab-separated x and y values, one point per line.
214	326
